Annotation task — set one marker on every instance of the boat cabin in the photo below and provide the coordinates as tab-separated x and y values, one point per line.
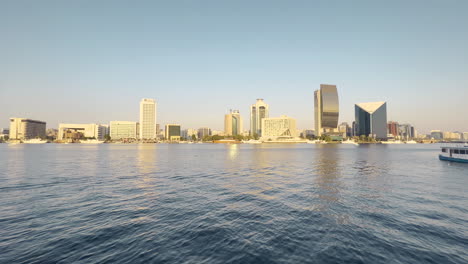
454	153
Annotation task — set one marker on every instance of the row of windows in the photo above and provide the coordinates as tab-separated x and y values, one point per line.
456	151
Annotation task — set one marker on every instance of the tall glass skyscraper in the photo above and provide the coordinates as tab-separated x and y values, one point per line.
371	119
258	111
326	108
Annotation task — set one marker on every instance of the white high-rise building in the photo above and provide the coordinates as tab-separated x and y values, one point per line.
123	130
258	111
279	127
147	118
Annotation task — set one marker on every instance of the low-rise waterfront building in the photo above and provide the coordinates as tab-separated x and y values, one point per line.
123	130
189	133
344	130
23	128
406	131
52	133
393	129
275	128
452	136
465	136
203	132
437	134
4	133
172	132
76	131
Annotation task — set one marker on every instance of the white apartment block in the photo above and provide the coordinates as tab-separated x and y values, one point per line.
147	118
88	130
123	130
278	127
23	128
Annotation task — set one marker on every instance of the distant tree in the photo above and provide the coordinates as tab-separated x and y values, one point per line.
194	138
107	137
238	137
255	136
217	137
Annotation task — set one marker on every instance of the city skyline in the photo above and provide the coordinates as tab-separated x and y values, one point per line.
70	63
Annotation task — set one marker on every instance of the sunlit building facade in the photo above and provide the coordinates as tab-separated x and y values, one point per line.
437	134
96	131
172	132
203	132
23	128
393	129
282	127
371	119
326	109
123	130
258	112
233	123
147	119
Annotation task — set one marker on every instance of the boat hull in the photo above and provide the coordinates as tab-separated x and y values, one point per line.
441	157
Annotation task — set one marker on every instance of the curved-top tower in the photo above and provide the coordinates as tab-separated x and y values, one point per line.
258	111
326	108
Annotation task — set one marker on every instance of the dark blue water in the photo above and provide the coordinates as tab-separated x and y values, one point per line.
207	203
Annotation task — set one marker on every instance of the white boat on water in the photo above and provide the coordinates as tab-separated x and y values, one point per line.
35	141
411	142
352	142
317	141
91	141
454	153
252	141
392	142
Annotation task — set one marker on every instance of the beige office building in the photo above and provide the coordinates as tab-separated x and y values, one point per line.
172	132
123	130
147	118
282	127
23	128
96	131
233	123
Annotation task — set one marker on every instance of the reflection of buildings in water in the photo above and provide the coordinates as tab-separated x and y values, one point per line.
146	162
329	181
328	173
146	166
370	166
233	151
249	171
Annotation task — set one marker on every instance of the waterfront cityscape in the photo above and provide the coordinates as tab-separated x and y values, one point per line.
370	126
233	132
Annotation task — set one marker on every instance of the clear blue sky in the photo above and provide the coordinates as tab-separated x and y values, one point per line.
92	61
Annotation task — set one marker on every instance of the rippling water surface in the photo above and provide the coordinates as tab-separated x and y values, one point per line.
208	203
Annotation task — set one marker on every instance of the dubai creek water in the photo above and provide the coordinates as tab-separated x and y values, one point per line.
215	203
